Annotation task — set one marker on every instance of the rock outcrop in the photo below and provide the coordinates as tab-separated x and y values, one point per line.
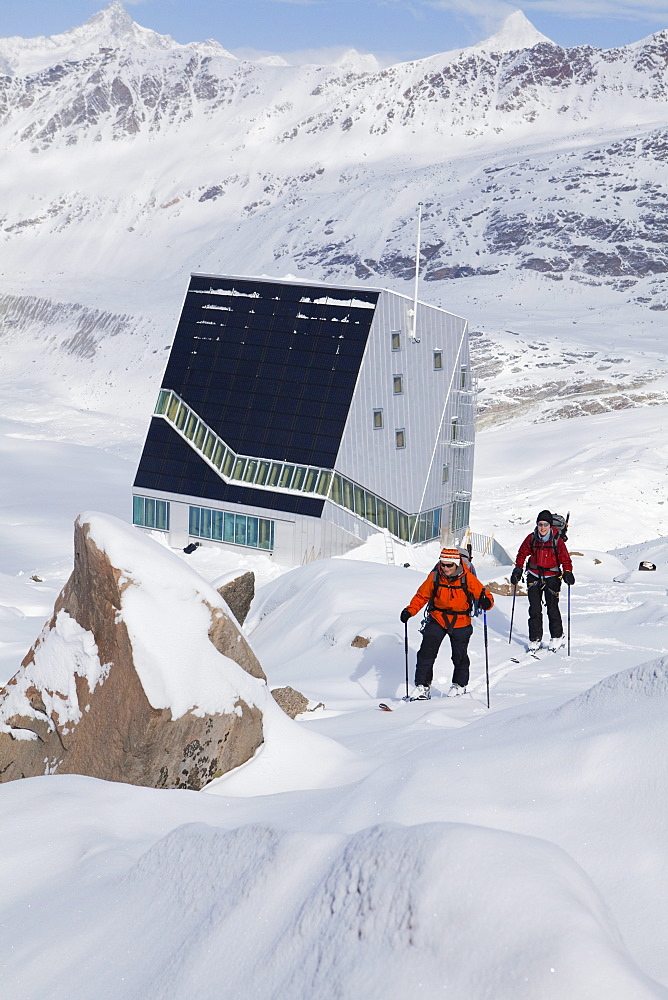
140	676
238	594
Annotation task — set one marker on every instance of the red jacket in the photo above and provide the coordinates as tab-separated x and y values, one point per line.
546	558
449	598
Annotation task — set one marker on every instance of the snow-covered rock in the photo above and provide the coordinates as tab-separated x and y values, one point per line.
141	675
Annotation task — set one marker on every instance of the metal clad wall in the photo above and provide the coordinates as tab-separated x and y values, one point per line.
369	455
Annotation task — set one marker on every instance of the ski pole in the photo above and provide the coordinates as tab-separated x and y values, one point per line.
406	651
569	621
484	622
512	614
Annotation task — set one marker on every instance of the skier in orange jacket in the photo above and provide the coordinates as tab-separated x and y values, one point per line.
448	592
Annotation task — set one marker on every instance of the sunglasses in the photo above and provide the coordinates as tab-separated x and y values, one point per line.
448	565
543	524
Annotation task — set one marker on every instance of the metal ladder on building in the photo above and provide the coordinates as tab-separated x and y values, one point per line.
389	548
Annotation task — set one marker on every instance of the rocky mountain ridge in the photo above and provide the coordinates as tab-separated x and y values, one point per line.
133	160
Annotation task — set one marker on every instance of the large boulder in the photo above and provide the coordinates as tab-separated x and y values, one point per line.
238	591
141	675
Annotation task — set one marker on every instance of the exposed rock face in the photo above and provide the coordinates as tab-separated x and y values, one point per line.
238	594
294	702
78	704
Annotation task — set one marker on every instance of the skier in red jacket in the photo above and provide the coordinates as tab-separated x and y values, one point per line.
549	561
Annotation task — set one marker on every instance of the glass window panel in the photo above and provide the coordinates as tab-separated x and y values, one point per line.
162	515
251	531
238	469
437	522
286	476
228	462
266	534
217	525
397	384
348	495
193	527
396	340
377	418
463	378
228	528
360	506
299	477
163	401
251	469
404	528
337	489
205	523
138	510
172	407
218	454
190	426
400	436
453	429
324	480
446	474
240	529
370	512
393	519
274	473
200	434
181	416
262	472
438	360
310	480
381	513
149	512
208	445
412	527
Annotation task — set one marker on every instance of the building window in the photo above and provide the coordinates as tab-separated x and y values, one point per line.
236	529
396	340
453	429
397	384
438	360
150	513
446	474
463	378
377	419
400	437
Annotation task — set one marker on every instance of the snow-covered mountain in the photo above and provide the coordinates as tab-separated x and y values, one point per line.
130	160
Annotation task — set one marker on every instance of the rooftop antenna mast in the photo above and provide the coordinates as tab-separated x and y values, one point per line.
413	330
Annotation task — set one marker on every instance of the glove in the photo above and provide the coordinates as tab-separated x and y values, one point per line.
484	601
405	615
569	579
516	575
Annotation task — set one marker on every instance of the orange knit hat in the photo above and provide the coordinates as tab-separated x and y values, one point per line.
450	555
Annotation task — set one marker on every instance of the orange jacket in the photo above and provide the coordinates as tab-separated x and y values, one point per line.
449	599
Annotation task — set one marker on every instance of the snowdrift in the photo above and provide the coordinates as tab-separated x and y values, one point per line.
439	908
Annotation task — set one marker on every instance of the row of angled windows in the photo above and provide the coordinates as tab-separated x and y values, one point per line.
236	529
286	476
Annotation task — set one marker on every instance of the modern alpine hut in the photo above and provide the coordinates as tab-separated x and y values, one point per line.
299	418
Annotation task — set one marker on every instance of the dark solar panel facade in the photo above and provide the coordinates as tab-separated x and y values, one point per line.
271	371
169	465
272	375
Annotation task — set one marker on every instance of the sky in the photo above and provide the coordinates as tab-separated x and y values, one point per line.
391	29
